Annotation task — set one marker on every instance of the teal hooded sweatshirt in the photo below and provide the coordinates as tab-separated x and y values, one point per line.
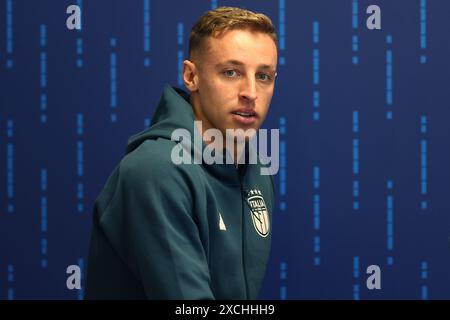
178	231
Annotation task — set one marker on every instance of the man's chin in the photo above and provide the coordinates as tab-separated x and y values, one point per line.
241	134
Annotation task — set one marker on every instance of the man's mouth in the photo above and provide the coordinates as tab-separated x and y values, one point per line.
245	113
245	116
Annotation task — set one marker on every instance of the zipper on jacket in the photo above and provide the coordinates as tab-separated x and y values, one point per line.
243	199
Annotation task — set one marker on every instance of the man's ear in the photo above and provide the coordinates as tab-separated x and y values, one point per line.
190	75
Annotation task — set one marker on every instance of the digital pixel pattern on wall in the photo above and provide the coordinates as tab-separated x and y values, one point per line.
363	115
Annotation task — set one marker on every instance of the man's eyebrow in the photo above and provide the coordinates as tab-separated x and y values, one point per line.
240	63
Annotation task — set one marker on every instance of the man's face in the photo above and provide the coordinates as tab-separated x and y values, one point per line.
236	76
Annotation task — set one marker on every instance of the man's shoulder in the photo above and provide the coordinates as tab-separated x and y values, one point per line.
152	158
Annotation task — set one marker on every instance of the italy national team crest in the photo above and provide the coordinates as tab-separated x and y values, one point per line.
260	215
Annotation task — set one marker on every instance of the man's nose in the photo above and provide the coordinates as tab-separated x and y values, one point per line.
248	90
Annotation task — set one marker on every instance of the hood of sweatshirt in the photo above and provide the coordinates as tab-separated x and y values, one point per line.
174	111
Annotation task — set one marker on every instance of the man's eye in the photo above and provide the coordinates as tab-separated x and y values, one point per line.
230	73
264	77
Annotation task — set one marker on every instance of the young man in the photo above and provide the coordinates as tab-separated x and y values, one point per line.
164	230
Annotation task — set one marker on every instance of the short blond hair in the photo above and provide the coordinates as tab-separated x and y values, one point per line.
215	22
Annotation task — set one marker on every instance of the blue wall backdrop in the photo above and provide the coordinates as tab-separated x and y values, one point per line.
364	118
